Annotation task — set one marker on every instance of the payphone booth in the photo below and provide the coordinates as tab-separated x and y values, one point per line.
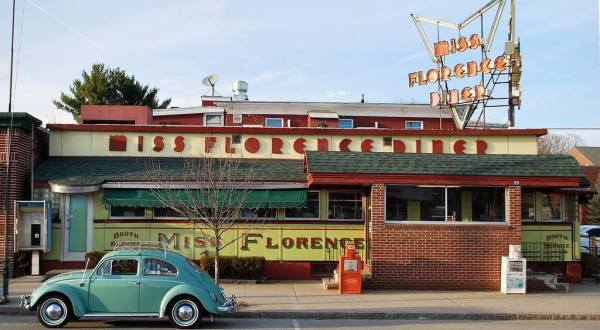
350	271
33	230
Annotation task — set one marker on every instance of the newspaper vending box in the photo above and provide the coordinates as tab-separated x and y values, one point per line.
513	275
350	271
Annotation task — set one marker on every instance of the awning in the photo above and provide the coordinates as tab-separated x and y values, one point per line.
289	198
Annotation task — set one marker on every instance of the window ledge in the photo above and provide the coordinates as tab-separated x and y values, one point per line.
449	223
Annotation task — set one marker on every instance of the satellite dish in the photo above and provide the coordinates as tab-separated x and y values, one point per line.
211	80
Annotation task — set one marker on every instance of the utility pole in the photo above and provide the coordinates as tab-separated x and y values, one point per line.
511	39
5	261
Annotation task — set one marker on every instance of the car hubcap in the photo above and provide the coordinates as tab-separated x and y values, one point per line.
53	311
185	312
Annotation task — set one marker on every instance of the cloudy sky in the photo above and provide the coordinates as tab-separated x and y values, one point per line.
297	51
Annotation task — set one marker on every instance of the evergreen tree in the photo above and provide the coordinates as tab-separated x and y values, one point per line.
593	207
103	85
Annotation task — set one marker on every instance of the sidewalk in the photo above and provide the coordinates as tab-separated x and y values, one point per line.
309	300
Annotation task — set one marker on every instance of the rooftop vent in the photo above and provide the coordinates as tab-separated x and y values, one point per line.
240	88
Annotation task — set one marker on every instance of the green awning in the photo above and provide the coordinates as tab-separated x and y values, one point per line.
289	198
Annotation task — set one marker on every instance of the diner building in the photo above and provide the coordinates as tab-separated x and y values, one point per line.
429	206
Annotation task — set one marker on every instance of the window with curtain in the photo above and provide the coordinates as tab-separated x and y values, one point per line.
310	212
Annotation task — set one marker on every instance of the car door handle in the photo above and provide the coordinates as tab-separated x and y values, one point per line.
134	282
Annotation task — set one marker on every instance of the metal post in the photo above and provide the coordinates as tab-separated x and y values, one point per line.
5	260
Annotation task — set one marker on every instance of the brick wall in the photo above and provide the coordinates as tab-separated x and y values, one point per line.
20	177
440	256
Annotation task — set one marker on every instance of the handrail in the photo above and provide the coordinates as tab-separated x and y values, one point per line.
139	245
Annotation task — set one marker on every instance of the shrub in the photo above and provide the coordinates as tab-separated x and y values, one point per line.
238	268
94	257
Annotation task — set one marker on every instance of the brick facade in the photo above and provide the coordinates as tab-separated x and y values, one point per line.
25	152
442	256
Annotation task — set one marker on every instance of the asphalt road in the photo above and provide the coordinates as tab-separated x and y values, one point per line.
30	322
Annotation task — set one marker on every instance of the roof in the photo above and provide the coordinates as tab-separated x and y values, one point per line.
443	164
84	171
591	153
21	120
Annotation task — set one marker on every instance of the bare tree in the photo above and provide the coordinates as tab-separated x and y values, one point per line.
556	144
210	192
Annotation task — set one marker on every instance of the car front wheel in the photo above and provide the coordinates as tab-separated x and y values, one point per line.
54	311
185	313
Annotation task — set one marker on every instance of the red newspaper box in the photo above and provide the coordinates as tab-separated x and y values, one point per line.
349	271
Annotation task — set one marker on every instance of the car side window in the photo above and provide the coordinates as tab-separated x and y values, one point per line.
594	232
153	266
119	267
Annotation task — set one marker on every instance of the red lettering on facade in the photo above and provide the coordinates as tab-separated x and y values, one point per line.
315	243
459	147
299	145
345	145
270	244
301	242
437	146
276	145
117	143
330	243
252	145
322	145
228	148
481	147
399	146
140	143
179	144
209	143
366	145
418	146
159	143
287	242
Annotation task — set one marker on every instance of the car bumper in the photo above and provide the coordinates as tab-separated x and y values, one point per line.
25	302
228	306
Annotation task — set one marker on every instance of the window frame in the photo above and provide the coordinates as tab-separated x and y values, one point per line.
118	217
362	196
220	115
307	219
346	119
535	206
560	208
446	222
111	260
413	121
238	116
274	118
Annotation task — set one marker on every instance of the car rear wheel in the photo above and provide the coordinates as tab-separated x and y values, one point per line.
54	311
185	313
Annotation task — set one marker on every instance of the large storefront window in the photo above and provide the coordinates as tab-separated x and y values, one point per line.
345	205
129	212
551	208
166	212
310	212
411	203
259	214
528	206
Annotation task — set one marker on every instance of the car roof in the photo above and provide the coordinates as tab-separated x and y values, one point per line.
146	252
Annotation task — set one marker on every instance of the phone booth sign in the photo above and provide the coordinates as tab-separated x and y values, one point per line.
350	271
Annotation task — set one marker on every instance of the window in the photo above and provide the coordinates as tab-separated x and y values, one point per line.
413	124
551	208
274	122
118	267
153	266
237	118
345	123
571	213
259	213
311	211
127	212
213	119
166	212
528	206
40	194
413	203
345	206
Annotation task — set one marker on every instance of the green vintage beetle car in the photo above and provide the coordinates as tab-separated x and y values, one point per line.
134	280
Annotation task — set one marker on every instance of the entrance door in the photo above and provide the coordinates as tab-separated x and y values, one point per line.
76	229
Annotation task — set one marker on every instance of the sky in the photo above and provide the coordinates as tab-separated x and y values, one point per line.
297	51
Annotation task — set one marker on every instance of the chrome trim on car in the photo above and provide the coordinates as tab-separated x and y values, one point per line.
121	315
25	302
228	306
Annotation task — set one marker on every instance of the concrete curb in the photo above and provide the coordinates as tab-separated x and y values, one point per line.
321	315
